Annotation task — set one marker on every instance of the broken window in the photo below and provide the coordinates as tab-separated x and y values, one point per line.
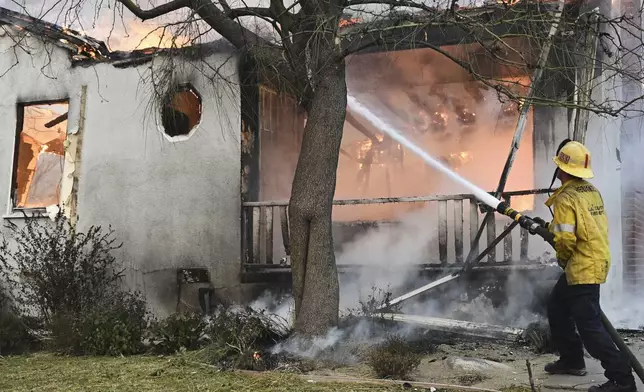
182	112
39	154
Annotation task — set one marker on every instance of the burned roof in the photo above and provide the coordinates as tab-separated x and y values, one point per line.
86	50
79	45
124	59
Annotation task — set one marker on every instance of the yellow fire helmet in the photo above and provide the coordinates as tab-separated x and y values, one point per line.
574	159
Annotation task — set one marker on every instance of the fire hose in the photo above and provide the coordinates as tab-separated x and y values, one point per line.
535	228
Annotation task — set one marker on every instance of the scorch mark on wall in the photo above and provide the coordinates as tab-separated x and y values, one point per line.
71	170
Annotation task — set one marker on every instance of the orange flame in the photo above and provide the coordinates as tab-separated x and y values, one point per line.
348	22
458	159
523	203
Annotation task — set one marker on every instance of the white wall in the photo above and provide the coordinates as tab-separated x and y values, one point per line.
603	141
550	129
172	204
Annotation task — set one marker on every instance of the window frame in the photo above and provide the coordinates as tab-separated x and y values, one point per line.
187	86
12	210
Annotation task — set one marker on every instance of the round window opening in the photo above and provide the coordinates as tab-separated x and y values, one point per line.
182	111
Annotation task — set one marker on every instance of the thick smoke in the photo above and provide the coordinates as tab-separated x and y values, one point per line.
339	345
280	306
390	259
342	344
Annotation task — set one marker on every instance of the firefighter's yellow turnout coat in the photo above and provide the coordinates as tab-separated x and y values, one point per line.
580	227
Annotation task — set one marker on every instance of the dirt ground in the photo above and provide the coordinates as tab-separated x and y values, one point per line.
484	364
491	365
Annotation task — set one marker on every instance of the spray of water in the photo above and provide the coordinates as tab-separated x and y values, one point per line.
364	112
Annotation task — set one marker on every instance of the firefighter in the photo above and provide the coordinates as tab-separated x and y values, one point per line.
580	228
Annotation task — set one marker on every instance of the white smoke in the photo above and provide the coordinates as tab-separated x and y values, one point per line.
343	344
281	307
387	256
394	255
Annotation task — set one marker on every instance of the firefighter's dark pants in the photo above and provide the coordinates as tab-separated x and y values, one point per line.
579	305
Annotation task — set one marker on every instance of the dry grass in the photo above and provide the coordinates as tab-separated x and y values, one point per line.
44	372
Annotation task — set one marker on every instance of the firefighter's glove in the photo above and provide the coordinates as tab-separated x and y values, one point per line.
541	222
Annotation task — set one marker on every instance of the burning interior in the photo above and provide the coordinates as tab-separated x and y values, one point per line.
39	154
425	95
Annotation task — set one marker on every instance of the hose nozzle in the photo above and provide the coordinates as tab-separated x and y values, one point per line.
525	222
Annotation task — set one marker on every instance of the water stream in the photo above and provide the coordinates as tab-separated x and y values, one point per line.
361	110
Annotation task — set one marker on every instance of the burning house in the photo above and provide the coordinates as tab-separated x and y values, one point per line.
87	131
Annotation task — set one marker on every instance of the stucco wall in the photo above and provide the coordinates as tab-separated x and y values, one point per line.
550	128
172	204
602	139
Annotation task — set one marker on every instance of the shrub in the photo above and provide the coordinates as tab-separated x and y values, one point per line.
378	299
53	268
376	304
178	331
393	359
71	282
537	335
239	336
114	327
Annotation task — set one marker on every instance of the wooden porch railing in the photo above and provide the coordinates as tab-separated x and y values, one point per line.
261	220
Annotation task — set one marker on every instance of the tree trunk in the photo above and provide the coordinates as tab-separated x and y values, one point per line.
315	278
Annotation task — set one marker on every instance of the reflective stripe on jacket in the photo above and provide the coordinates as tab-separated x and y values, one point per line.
580	228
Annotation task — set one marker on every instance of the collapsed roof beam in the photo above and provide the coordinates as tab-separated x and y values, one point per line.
57	120
361	128
388	105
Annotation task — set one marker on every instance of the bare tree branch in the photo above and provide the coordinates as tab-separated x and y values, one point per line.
155	12
249	11
393	3
235	33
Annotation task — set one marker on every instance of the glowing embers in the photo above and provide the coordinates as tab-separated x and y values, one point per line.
181	112
39	154
463	114
434	120
456	160
383	152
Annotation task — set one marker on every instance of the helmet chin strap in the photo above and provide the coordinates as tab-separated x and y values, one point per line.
554	176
